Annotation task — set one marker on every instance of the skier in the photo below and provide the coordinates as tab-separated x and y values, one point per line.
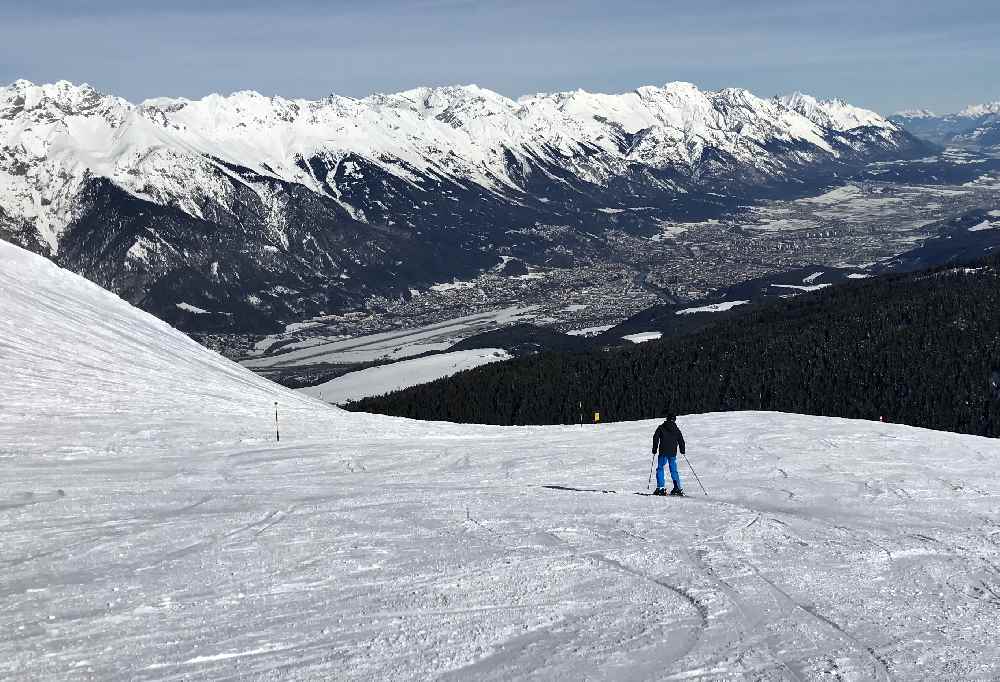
666	441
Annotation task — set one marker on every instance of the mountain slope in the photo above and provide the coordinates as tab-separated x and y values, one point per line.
264	209
154	529
79	362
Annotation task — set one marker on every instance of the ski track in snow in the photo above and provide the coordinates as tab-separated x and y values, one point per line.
151	528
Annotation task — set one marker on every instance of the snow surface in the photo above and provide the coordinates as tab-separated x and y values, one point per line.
803	287
916	113
985	225
396	344
834	196
451	286
835	113
977	110
590	331
712	307
192	308
403	374
642	337
151	527
671	230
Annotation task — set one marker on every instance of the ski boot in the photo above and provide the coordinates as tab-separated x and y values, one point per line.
677	492
660	491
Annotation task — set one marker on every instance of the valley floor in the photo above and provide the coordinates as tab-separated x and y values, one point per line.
365	547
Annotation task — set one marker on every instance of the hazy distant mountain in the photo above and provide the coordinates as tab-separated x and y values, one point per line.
235	212
977	125
914	114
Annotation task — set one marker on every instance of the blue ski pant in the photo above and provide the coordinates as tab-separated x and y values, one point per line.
674	476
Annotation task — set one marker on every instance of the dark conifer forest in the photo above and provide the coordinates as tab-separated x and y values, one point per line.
917	349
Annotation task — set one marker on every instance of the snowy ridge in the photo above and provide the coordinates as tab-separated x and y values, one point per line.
165	150
834	114
915	113
977	125
153	528
978	110
266	210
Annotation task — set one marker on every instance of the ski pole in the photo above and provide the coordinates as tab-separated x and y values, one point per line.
651	464
694	472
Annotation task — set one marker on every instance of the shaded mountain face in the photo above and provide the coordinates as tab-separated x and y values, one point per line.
241	213
976	126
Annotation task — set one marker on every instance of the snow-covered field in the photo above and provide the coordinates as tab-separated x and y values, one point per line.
642	337
590	331
396	344
403	374
151	527
851	204
803	287
713	307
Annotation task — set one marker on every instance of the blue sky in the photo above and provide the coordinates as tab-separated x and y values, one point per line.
883	54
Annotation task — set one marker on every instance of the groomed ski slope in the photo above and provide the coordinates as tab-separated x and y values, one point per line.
152	528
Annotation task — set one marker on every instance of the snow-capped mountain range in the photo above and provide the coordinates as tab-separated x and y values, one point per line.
264	208
976	125
977	110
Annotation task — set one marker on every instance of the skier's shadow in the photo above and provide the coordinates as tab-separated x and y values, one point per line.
577	490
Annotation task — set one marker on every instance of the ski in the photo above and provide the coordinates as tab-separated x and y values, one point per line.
570	489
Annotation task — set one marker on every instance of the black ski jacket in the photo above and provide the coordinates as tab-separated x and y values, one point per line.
667	439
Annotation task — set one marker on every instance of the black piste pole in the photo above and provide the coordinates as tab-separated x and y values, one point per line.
277	433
